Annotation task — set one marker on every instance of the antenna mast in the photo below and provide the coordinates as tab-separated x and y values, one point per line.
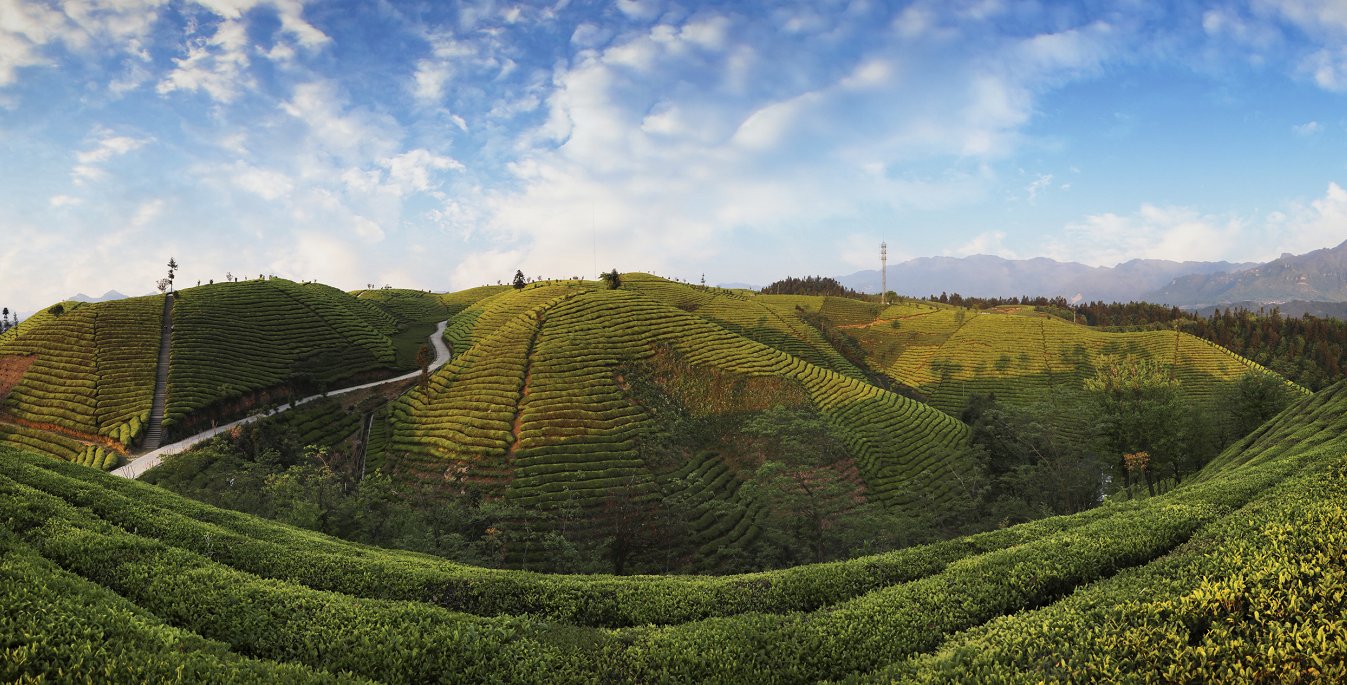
884	273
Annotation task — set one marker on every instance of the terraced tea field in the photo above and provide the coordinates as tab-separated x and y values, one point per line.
1236	576
84	379
236	345
536	405
80	385
949	354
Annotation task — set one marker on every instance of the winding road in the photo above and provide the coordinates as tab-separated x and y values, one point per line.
135	468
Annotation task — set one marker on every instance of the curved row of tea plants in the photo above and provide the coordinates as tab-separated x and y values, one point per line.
92	368
233	339
577	428
1257	596
406	306
748	317
319	603
951	354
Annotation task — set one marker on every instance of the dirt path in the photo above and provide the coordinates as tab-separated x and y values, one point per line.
135	468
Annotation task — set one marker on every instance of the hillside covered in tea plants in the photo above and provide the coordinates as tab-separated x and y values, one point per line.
950	354
77	380
1235	575
658	426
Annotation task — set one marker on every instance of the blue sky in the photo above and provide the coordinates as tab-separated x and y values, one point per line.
443	145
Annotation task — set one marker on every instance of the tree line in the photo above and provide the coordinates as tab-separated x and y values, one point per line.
811	285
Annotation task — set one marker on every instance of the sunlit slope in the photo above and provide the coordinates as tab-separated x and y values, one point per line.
539	399
406	306
238	344
1235	577
949	354
782	329
80	382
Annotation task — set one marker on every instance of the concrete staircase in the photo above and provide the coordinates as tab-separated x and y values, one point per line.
154	432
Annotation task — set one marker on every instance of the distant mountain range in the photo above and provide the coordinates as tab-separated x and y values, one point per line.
988	276
107	297
1319	276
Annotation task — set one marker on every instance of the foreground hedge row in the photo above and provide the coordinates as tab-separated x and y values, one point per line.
273	550
1257	597
60	626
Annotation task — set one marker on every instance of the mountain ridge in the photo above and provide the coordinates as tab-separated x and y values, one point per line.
992	276
1318	276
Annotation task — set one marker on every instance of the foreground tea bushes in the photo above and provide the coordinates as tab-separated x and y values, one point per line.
276	551
282	621
865	633
72	629
1257	597
1237	575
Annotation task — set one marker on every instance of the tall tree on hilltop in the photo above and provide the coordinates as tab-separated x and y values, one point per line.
612	278
172	270
519	280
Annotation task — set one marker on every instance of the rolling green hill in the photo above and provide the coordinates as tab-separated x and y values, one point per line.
79	385
950	353
555	398
1238	575
81	381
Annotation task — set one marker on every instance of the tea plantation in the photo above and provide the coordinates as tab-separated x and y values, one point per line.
79	384
1238	575
950	353
84	378
554	399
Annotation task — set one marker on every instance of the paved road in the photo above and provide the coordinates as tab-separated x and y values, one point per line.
135	468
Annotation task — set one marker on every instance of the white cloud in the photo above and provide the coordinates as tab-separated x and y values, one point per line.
352	136
1181	233
367	229
24	29
1308	128
988	243
410	172
1037	185
265	183
89	163
57	201
1152	232
640	10
216	64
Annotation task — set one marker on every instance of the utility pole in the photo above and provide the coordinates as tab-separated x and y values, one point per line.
884	273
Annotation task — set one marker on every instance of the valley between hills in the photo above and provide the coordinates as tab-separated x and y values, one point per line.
642	480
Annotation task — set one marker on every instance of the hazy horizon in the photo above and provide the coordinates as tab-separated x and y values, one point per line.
442	147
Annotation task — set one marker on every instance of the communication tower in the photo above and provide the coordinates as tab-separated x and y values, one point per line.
884	273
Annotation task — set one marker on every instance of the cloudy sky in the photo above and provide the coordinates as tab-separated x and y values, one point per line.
443	145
